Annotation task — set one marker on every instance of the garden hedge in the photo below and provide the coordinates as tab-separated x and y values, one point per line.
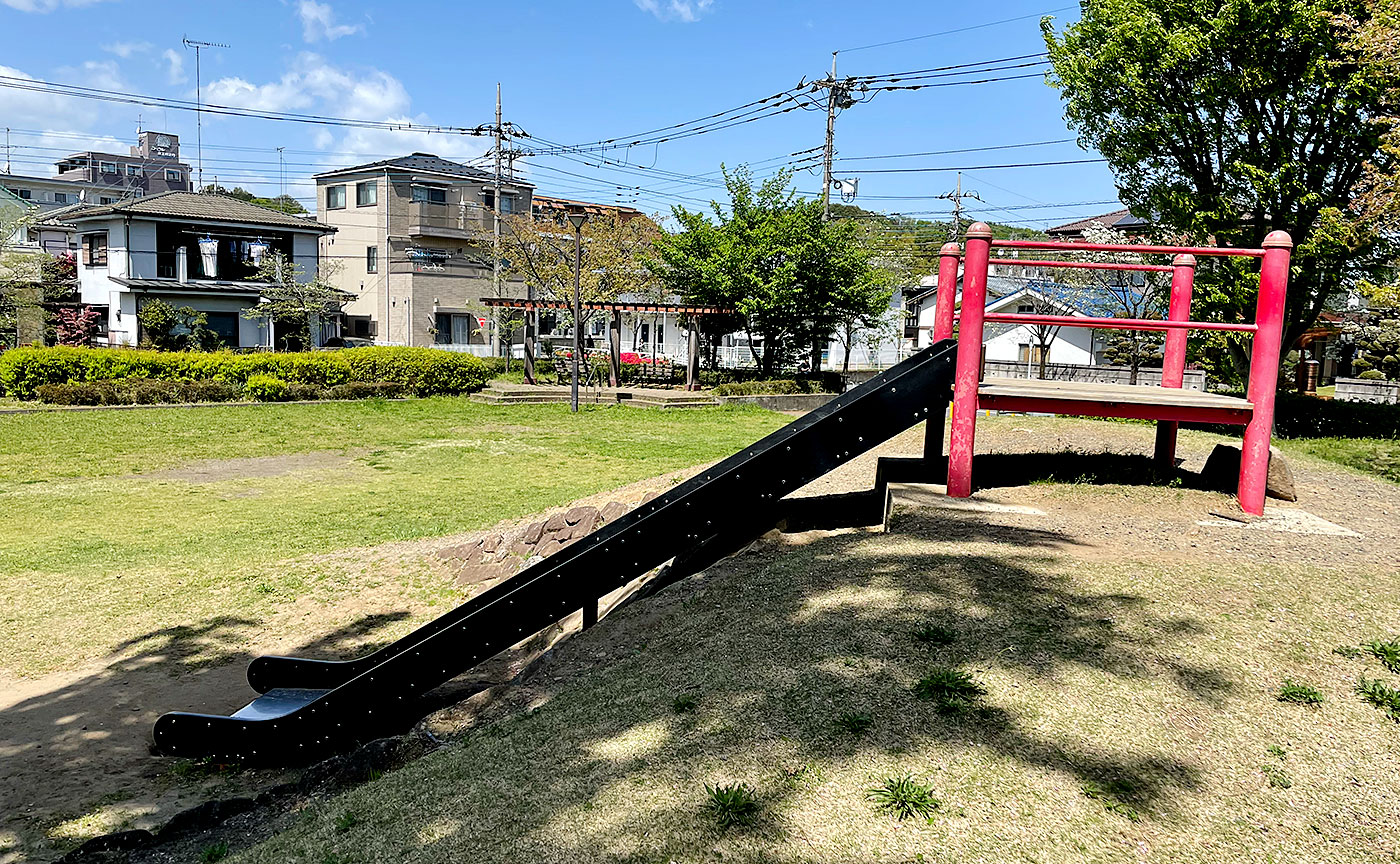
421	371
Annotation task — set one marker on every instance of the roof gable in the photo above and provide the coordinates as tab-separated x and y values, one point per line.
424	163
198	206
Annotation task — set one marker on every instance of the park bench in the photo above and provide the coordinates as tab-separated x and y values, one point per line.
659	370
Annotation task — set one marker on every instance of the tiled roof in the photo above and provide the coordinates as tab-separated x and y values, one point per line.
1120	219
424	162
196	205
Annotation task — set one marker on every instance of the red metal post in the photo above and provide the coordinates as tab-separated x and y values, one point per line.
1263	370
1174	356
947	291
974	303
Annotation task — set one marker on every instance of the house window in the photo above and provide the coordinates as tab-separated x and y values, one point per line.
454	329
60	197
24	193
371	259
429	195
134	171
488	197
366	194
507	203
107	167
95	249
1025	308
335	197
106	199
173	176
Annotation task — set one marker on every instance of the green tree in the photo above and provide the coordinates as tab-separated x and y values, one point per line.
294	300
791	277
282	203
174	328
1227	119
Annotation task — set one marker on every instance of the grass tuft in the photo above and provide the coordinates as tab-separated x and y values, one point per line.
731	806
934	634
854	723
952	690
1351	652
1111	801
1387	652
345	821
1277	777
1385	698
214	852
904	798
1277	752
1299	694
683	704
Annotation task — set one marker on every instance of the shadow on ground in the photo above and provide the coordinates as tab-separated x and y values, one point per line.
774	646
995	470
70	749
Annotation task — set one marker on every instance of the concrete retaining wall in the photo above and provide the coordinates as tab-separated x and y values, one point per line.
1362	390
1194	379
781	402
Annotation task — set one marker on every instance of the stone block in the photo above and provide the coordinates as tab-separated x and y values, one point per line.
614	510
587	515
489	543
554	523
1222	472
533	533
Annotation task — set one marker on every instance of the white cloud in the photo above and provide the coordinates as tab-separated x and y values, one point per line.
311	80
45	6
685	11
124	50
29	110
318	22
175	66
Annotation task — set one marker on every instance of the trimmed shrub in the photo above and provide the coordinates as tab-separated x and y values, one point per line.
136	391
1372	375
420	371
366	390
779	387
265	388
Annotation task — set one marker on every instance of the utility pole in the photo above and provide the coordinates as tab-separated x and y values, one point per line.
496	203
7	156
199	101
829	152
281	181
956	197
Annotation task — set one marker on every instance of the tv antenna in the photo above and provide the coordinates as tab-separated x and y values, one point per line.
199	101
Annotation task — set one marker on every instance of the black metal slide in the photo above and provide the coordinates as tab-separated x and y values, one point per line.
310	708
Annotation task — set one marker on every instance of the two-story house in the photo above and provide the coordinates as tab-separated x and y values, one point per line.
187	249
413	235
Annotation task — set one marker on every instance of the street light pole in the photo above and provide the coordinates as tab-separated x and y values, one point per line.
577	217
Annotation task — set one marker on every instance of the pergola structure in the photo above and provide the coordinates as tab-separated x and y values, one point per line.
692	366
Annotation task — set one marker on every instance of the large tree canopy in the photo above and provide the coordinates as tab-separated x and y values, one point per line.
1226	119
792	277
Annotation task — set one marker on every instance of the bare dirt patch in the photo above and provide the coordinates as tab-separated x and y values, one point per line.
257	467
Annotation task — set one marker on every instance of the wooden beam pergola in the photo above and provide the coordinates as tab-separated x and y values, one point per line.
692	366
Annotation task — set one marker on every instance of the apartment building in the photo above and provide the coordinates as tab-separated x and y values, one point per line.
412	244
153	166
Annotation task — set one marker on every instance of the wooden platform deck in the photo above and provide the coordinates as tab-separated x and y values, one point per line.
1111	400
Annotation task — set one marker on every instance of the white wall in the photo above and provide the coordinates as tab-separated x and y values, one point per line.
93	283
1071	345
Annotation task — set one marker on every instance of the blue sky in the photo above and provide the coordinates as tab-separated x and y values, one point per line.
570	72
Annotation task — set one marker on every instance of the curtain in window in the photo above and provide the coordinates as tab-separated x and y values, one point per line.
461	329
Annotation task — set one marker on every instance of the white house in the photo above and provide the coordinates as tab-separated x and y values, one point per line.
188	249
1075	346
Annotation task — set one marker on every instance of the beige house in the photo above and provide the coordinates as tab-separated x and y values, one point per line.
413	245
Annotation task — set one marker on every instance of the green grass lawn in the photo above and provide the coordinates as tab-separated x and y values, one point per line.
117	522
1378	456
1015	702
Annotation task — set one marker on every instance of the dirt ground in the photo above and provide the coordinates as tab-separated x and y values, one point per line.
75	744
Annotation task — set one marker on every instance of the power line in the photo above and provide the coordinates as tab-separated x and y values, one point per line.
959	150
955	30
976	167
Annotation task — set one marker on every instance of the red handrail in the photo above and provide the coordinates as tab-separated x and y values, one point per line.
1226	251
1085	265
1114	323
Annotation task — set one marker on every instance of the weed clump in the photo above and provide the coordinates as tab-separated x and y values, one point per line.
1299	694
953	691
904	798
935	635
1384	698
731	806
1387	652
854	723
